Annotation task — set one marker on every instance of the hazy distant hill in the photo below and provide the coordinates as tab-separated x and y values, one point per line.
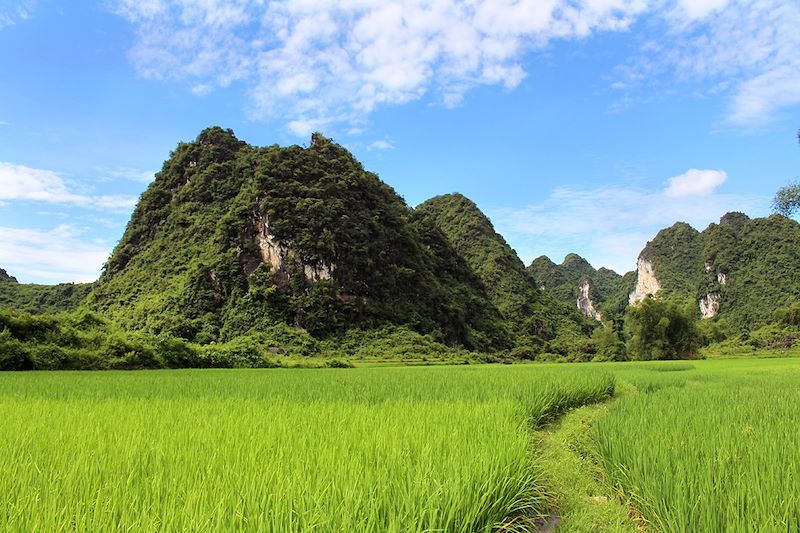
35	298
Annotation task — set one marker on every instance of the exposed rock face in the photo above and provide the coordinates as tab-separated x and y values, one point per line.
646	282
277	253
722	278
585	303
709	306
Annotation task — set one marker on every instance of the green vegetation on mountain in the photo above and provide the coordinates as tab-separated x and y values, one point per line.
536	318
609	289
754	266
750	266
231	239
676	254
299	251
38	299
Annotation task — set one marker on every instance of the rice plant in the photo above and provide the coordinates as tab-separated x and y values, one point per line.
712	450
374	449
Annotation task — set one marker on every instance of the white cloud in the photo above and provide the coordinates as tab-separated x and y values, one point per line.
381	144
4	123
695	182
609	226
316	63
18	182
15	11
698	9
133	174
53	256
313	63
745	50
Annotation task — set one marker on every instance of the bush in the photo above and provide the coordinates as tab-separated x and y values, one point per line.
14	355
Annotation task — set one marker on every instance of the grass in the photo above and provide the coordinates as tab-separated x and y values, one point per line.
579	494
711	449
368	449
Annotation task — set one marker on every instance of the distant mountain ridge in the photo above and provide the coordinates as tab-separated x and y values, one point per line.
232	239
598	293
35	298
534	315
741	270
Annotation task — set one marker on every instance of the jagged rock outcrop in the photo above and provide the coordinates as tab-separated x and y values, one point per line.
646	282
585	301
709	305
279	254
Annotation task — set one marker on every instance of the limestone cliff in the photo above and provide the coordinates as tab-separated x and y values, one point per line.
586	302
646	282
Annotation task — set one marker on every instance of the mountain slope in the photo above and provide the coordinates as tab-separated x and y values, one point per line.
230	238
532	313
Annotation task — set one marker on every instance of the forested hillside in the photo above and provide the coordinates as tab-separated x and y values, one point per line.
231	238
608	290
535	316
741	271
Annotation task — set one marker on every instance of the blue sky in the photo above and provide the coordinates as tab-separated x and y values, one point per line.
576	125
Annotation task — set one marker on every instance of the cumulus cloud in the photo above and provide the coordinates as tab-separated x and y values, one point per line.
61	254
313	63
695	182
381	144
316	63
745	50
698	9
609	225
18	182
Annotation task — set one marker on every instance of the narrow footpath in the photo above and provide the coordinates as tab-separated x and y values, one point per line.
581	499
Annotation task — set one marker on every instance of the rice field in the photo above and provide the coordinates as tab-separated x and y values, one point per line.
704	446
372	449
710	446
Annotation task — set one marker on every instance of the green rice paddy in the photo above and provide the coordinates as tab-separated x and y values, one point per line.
701	446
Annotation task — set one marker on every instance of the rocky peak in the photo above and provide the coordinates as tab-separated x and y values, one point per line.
734	219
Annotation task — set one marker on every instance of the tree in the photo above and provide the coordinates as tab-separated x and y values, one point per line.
787	199
661	329
609	345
